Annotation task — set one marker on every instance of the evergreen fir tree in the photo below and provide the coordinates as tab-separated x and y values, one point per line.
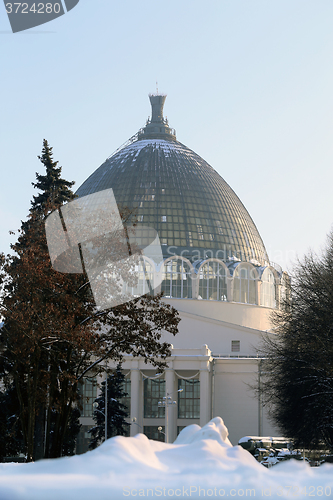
117	411
53	335
55	191
41	307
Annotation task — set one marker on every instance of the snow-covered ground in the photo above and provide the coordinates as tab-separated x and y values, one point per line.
201	463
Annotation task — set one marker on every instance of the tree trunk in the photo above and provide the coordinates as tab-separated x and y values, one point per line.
22	407
33	383
39	433
31	407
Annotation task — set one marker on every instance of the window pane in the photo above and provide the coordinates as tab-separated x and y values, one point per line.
154	391
152	432
126	400
244	286
189	399
176	279
88	393
267	292
212	281
235	346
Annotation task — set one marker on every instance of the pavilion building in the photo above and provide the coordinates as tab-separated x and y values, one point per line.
215	272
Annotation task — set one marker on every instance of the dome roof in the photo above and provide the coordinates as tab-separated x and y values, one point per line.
195	212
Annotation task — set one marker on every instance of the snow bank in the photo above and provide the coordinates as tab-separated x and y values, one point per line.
201	463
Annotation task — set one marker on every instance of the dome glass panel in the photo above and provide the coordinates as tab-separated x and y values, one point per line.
172	189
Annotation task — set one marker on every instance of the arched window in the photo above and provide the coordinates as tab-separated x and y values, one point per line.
143	278
244	285
267	290
212	281
176	279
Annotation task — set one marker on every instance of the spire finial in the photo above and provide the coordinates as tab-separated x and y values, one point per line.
157	126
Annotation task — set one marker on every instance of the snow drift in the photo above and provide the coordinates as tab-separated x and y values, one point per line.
201	463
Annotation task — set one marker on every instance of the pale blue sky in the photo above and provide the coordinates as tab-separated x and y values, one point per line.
249	86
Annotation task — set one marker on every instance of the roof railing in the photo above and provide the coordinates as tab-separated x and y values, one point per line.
129	141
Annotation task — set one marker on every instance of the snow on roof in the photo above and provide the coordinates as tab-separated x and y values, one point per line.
201	463
165	145
268	439
245	439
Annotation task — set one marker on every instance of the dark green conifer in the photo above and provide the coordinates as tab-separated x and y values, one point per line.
117	411
55	191
53	335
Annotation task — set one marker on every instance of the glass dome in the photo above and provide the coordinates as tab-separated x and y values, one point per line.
172	189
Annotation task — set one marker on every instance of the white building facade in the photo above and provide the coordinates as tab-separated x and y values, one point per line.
215	271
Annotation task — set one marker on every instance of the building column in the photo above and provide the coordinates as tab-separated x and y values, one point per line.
278	295
195	284
170	388
230	288
258	291
136	417
158	274
205	388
